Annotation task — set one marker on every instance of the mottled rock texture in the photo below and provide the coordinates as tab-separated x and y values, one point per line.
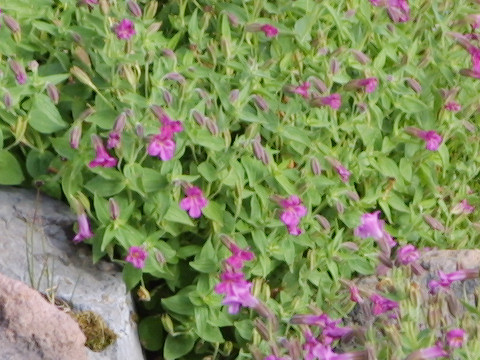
36	248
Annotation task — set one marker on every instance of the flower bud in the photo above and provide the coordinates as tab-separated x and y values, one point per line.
75	136
414	84
77	38
114	209
151	10
323	221
134	8
11	23
140	131
33	65
175	77
340	207
315	165
233	19
434	223
52	92
319	84
143	294
82	76
261	328
361	57
260	102
86	113
104	7
334	66
152	29
169	53
7	100
160	257
167	324
82	55
212	127
234	95
167	97
199	118
227	348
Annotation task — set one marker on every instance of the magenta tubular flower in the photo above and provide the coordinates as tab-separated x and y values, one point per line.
84	231
116	134
452	106
407	254
432	138
382	305
162	145
19	71
371	226
339	168
293	211
239	256
370	84
333	100
269	30
125	29
237	291
445	280
463	208
355	295
137	256
398	10
102	158
194	201
432	352
456	338
302	89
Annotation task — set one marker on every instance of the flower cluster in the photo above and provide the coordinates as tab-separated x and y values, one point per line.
163	144
293	211
398	10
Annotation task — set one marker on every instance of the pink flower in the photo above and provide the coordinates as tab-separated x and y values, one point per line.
463	208
136	256
90	2
382	304
115	135
407	254
432	138
333	100
84	231
445	280
194	201
339	168
162	145
376	2
370	84
452	106
293	211
102	158
371	226
398	10
273	357
237	291
432	352
125	29
302	89
269	30
456	338
355	294
19	71
239	255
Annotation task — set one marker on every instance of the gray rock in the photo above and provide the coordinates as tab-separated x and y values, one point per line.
41	254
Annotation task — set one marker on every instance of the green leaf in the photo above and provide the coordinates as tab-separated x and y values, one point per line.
44	116
214	211
150	331
179	303
10	171
37	163
103	187
177	346
177	215
204	329
131	276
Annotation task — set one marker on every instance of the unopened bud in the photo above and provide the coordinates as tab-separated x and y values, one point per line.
152	29
160	257
143	294
316	169
77	38
7	100
140	131
86	113
353	195
114	209
199	118
340	207
33	65
334	66
82	55
212	127
323	221
227	348
433	316
167	97
350	246
52	92
319	84
169	53
82	76
151	10
11	23
260	102
414	84
75	136
361	57
469	126
104	7
233	19
175	77
234	95
167	324
434	223
262	328
19	71
134	8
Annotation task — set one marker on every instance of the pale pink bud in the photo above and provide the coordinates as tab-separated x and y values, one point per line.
75	136
199	118
167	97
319	84
33	65
361	57
11	23
114	209
324	222
316	169
52	92
233	19
175	77
134	8
234	95
434	223
7	100
212	127
334	66
414	84
260	102
169	53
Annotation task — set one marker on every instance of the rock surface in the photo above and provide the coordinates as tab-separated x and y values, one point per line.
41	254
32	328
